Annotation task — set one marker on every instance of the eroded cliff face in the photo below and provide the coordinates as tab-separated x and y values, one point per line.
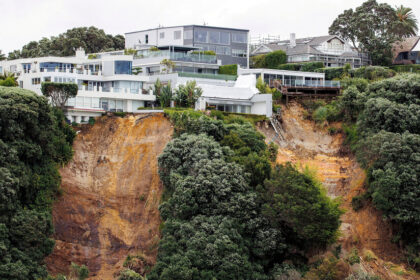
111	193
308	145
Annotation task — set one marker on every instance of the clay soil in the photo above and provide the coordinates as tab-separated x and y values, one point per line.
308	145
111	192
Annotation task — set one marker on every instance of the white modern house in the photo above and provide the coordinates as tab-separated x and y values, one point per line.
105	83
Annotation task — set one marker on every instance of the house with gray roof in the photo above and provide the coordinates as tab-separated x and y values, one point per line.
330	50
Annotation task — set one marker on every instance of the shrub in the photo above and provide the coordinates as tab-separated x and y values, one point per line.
273	150
332	130
8	82
361	84
274	59
373	72
331	268
229	69
353	256
320	115
359	201
331	73
369	256
306	66
258	61
412	68
120	114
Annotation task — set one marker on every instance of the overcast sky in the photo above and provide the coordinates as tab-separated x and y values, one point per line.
22	21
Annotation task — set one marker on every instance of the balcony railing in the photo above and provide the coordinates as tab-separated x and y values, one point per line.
70	70
178	56
208	76
305	83
113	90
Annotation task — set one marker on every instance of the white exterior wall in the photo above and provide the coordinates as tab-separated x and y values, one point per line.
138	38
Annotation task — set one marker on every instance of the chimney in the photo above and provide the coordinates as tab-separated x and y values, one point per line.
292	40
80	53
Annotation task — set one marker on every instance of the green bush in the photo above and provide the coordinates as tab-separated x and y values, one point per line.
306	66
273	150
8	82
412	68
353	257
359	201
229	69
274	59
331	73
373	72
120	114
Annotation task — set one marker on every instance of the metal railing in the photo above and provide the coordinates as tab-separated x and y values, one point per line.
208	76
178	56
306	83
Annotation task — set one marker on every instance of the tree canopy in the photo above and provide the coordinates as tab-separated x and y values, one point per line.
59	92
90	38
34	140
373	27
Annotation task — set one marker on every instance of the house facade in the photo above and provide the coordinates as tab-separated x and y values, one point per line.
331	50
407	51
229	44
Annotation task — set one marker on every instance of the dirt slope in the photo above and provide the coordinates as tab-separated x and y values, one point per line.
305	144
111	191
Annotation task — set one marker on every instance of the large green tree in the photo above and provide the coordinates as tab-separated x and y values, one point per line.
34	141
372	27
406	25
90	38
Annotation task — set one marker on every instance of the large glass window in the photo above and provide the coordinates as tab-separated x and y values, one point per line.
200	36
122	67
239	37
223	50
214	37
225	38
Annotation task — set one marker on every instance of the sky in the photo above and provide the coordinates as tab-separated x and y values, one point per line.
23	21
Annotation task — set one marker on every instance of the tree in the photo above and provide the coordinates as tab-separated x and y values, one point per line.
137	70
288	198
59	92
371	28
34	141
78	272
406	24
2	56
188	94
273	59
169	64
92	39
165	96
8	79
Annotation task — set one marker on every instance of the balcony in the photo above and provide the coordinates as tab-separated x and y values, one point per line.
71	70
178	56
310	84
208	76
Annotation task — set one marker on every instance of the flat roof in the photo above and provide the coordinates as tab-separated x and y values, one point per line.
189	25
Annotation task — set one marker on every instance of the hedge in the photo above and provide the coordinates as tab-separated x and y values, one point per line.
305	66
231	69
415	68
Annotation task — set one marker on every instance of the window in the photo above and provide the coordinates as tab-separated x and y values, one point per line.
239	37
122	67
146	39
200	36
177	34
26	67
188	35
47	79
36	81
225	38
223	50
214	37
161	35
238	53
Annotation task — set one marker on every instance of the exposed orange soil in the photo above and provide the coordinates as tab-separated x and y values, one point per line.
307	145
111	192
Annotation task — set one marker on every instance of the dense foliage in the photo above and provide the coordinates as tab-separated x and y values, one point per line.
366	72
218	222
34	139
304	66
231	69
90	38
373	27
387	143
271	60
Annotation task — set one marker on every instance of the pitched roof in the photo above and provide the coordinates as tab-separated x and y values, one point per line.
303	45
405	45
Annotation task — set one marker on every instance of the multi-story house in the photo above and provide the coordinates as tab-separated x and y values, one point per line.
105	82
229	44
330	50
